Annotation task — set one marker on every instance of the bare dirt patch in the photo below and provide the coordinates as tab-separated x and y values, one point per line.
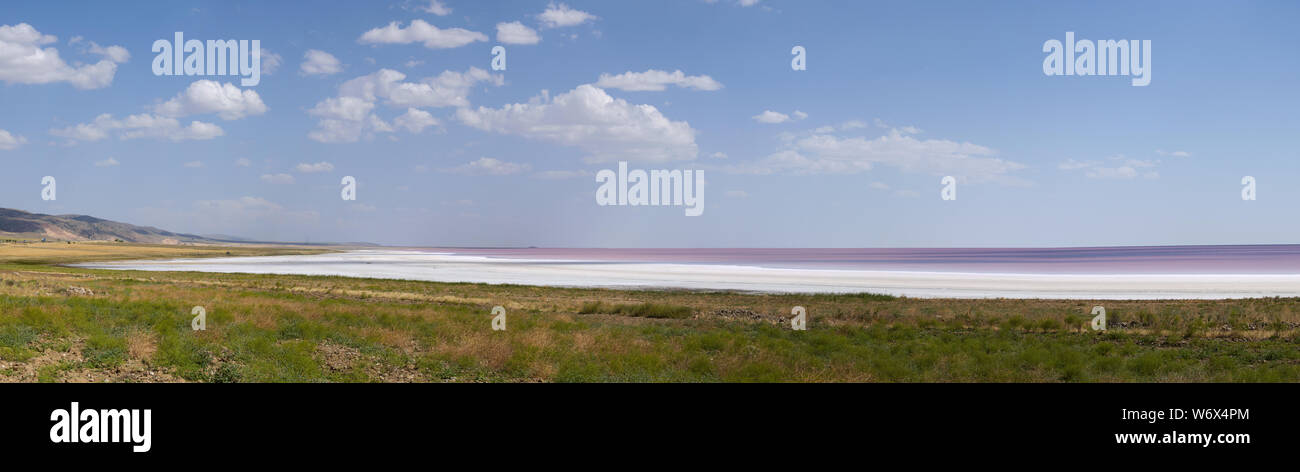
67	366
335	357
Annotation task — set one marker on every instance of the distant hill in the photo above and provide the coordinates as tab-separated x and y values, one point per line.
18	224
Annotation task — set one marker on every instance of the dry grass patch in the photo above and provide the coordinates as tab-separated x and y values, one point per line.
141	345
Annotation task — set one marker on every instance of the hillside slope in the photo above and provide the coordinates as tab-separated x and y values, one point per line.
18	224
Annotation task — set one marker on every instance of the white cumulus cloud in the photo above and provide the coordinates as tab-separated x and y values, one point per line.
278	179
317	62
772	117
316	168
1122	168
489	166
656	80
143	125
415	120
117	54
206	96
743	3
271	61
588	118
827	154
10	142
559	15
448	89
24	59
350	116
438	8
516	33
421	32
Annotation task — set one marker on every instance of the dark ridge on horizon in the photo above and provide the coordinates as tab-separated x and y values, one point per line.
23	225
18	224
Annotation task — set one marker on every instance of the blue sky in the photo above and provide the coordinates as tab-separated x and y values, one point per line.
896	95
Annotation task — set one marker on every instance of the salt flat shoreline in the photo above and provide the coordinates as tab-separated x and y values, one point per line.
449	267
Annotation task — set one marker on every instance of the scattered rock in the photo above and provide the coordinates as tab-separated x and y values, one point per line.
336	357
85	292
747	315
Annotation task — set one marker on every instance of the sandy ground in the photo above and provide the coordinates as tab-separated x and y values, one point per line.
439	267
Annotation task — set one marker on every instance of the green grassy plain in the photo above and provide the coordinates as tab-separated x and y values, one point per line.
60	324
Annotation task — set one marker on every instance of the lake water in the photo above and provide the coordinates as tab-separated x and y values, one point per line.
1209	272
